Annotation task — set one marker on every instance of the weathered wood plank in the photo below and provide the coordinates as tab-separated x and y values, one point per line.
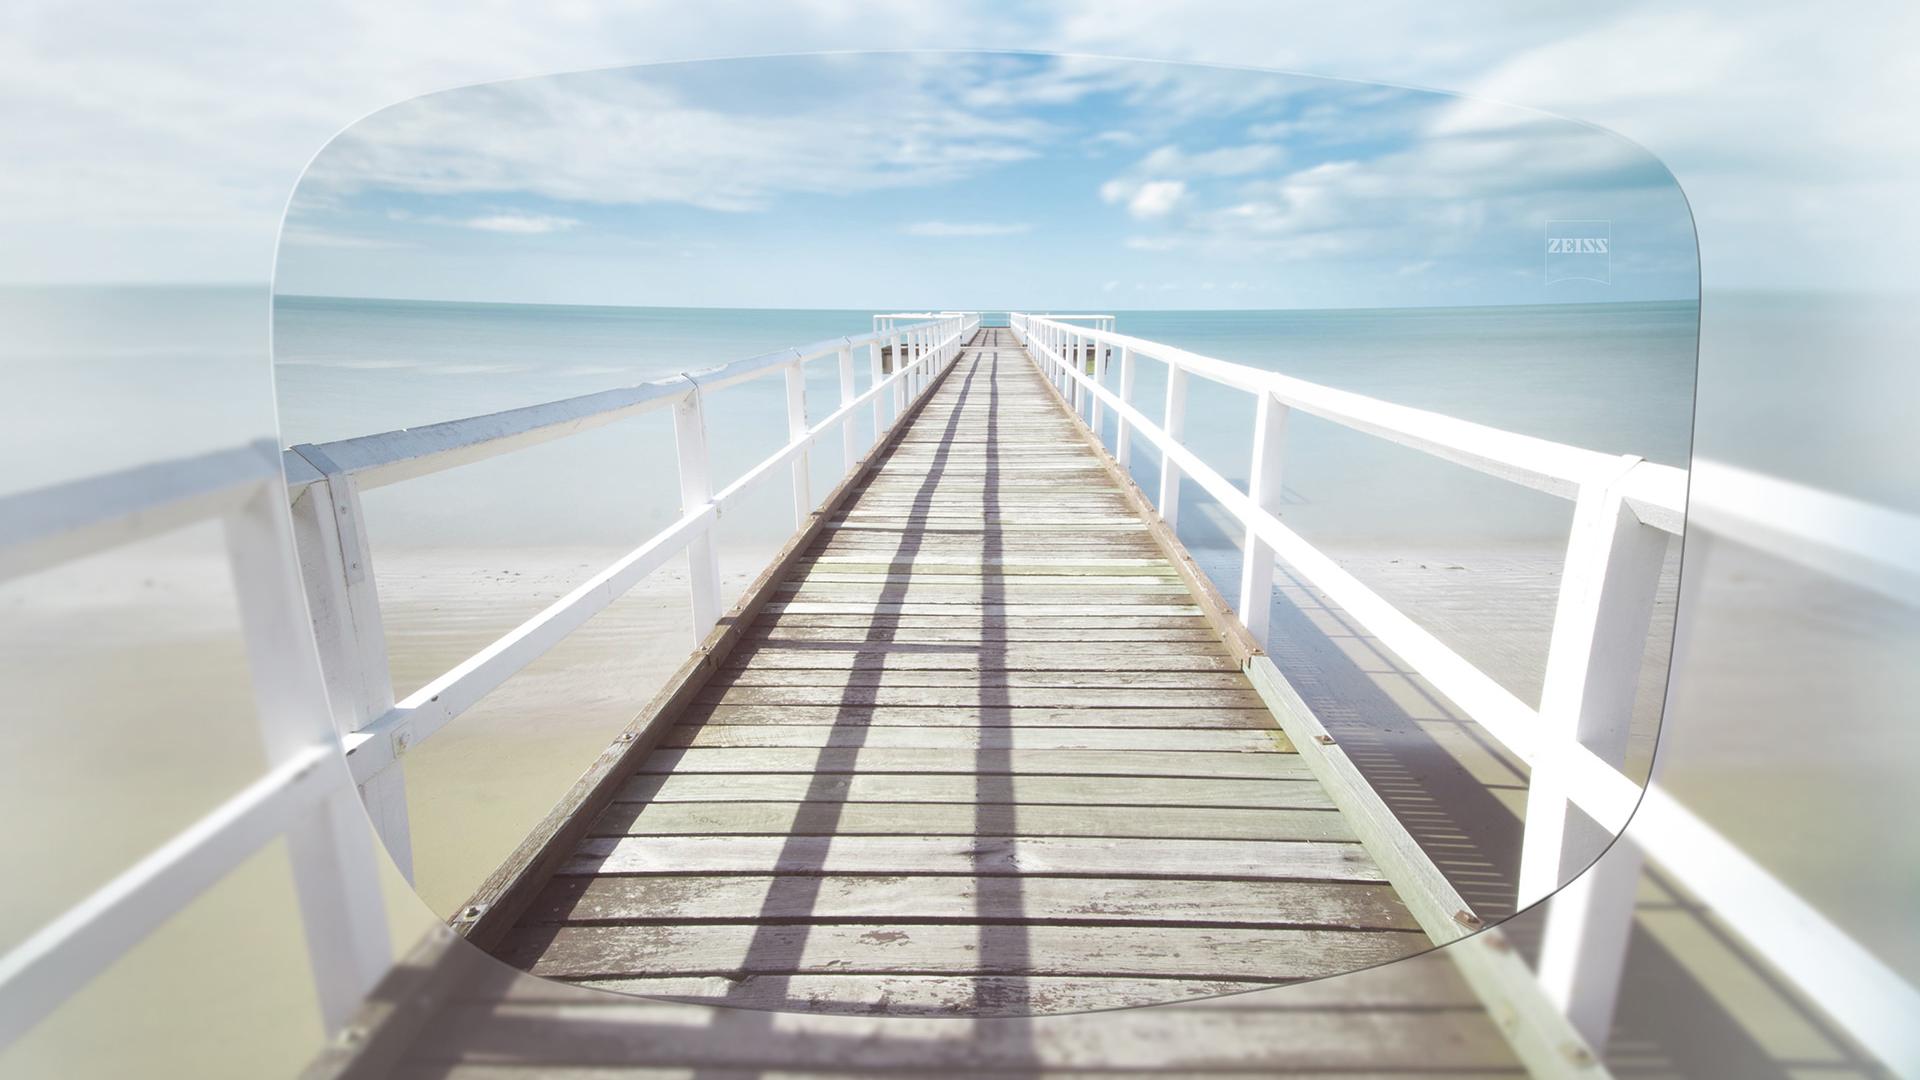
1148	697
986	856
957	819
1134	791
1266	763
580	952
933	996
989	624
976	716
919	737
987	678
982	637
955	656
886	897
980	610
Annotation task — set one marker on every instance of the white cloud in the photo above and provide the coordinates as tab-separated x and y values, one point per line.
966	228
1224	161
1151	199
520	223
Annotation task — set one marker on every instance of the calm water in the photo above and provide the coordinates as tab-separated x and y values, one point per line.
1612	377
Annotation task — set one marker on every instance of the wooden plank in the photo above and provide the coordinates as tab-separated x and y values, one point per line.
979	716
1008	697
921	565
910	656
932	996
921	737
957	819
1135	791
795	632
985	611
582	952
977	621
859	898
988	679
1267	763
985	856
1046	590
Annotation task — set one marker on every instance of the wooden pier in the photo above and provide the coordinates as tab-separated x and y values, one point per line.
980	744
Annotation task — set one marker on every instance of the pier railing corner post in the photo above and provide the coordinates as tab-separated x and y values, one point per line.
343	604
335	868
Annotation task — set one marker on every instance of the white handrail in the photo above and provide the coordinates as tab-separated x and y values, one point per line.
325	482
1624	508
305	796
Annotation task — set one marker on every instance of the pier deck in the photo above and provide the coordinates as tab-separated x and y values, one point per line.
980	747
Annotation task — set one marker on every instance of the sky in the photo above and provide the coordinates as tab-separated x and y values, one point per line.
160	143
979	181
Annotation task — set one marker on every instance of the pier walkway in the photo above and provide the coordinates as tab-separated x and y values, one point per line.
979	747
981	750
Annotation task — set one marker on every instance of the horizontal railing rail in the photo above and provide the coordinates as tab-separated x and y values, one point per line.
1575	742
325	482
306	795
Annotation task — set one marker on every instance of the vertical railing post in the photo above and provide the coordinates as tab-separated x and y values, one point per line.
1583	947
899	347
849	439
1263	487
696	491
1583	950
797	430
336	871
336	573
1174	424
1100	378
879	399
1122	434
1593	666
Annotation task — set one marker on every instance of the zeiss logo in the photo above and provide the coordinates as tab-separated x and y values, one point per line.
1579	250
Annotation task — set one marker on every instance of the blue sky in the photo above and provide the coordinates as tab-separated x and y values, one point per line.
971	180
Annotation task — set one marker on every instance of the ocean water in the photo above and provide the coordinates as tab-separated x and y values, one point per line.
1615	377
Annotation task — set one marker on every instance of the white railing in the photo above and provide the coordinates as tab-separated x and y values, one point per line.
325	482
1575	742
306	794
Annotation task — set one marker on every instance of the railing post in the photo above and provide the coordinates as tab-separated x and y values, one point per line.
1076	346
1263	487
1174	424
879	399
336	573
1122	434
849	439
899	345
1593	666
696	490
1583	950
1099	378
336	871
797	430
